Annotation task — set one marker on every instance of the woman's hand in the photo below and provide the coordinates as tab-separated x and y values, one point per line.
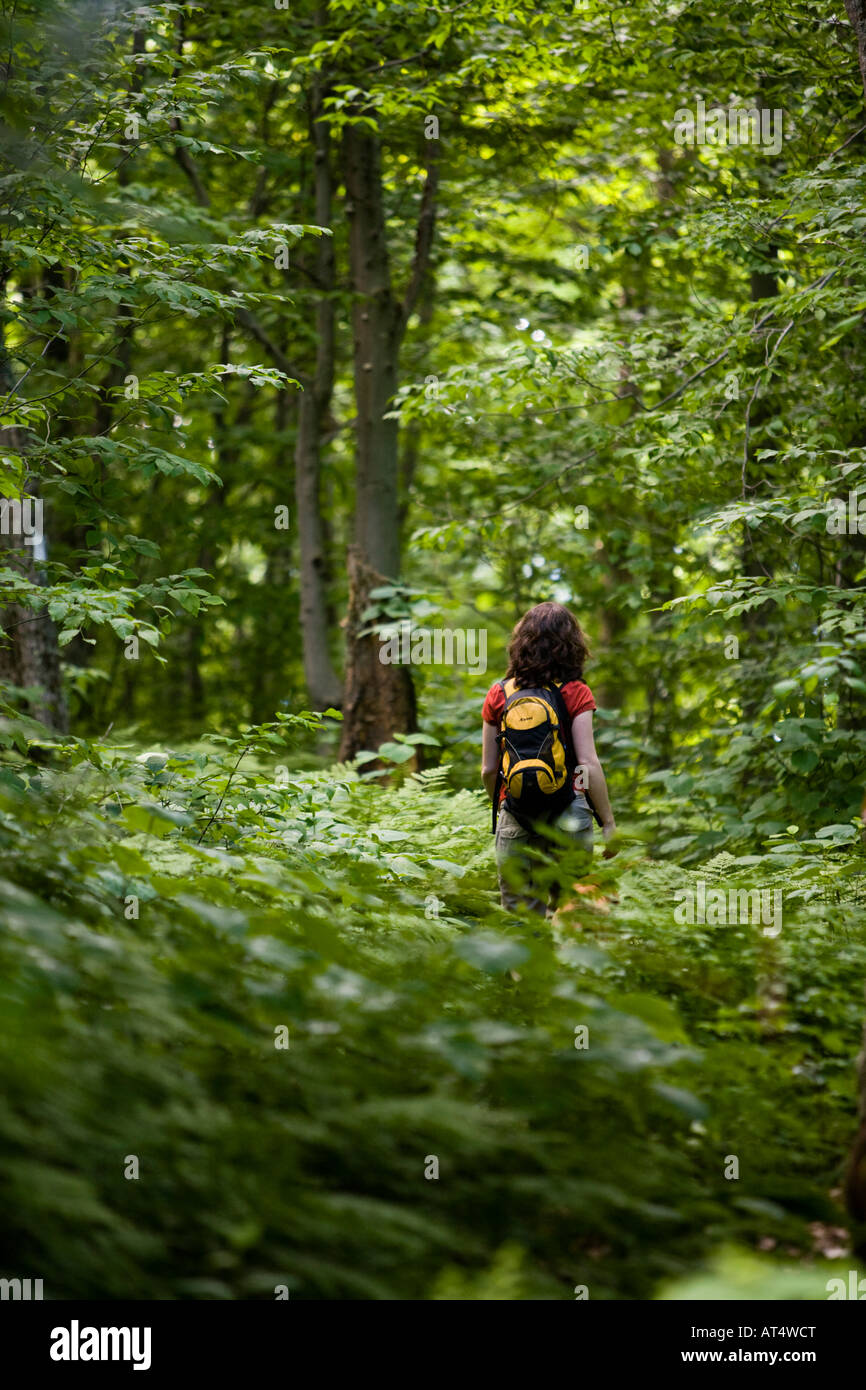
611	847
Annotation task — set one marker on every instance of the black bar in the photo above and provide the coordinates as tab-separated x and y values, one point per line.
223	1338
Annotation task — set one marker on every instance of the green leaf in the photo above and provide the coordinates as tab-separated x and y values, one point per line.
490	952
661	1016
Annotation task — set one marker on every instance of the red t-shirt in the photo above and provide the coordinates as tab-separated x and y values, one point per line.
576	695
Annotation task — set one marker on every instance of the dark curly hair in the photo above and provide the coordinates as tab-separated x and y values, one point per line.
547	646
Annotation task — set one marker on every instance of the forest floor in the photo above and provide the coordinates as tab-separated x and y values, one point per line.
341	1068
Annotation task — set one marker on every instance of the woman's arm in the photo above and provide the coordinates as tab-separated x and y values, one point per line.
489	758
584	747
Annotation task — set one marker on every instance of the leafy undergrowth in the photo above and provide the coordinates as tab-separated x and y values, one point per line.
292	1005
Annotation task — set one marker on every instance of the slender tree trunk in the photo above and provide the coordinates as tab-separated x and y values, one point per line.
757	473
411	443
756	563
323	684
857	15
377	331
378	700
29	655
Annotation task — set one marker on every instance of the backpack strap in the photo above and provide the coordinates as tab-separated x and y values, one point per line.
498	786
564	727
568	744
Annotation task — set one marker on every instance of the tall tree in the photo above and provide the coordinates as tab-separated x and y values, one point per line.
379	698
314	416
29	654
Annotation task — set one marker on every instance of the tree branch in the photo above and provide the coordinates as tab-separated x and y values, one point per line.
185	160
278	357
423	238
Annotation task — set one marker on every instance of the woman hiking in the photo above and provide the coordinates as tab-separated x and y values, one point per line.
538	760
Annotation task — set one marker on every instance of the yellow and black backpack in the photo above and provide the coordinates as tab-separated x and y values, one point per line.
536	754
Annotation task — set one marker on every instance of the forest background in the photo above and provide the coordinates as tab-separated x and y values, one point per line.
324	319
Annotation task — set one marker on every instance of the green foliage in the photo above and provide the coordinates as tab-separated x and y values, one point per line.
631	382
170	913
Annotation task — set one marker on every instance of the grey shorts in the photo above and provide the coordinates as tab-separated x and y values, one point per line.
518	873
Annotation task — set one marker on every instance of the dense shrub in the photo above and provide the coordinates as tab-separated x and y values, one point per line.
422	1023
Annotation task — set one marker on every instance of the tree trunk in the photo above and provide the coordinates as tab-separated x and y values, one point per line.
379	699
29	655
757	473
323	684
377	332
857	15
